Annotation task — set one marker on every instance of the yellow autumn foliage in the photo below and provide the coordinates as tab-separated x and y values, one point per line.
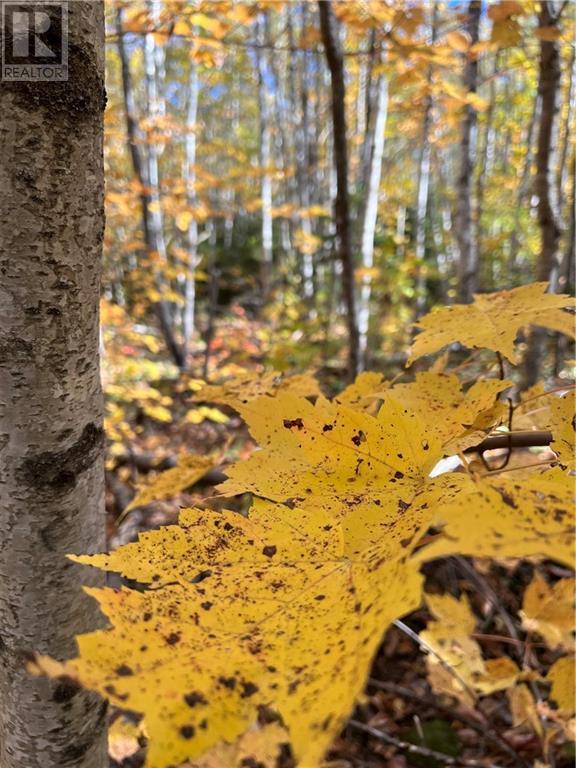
284	608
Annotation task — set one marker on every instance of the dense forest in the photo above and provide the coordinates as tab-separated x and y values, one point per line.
287	384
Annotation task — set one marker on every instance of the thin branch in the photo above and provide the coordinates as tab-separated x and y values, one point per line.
521	439
430	701
423	644
414	749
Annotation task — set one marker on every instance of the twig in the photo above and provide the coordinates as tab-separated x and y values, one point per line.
423	644
414	749
501	366
430	701
523	439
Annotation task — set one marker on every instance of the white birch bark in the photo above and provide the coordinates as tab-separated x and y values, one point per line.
265	161
191	198
371	216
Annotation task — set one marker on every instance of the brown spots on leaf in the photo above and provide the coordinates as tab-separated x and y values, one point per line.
194	698
124	670
250	762
359	438
206	605
248	689
187	731
291	423
146	616
227	682
173	638
327	427
320	597
269	550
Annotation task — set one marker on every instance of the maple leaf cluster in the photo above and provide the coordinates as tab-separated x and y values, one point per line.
275	616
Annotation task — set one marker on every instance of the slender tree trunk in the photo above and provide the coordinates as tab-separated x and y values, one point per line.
300	121
468	257
544	187
51	437
423	183
523	187
335	62
486	161
547	268
370	216
265	162
141	171
191	199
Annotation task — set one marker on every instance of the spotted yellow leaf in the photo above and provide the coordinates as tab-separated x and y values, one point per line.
457	414
241	390
269	611
171	482
497	517
493	321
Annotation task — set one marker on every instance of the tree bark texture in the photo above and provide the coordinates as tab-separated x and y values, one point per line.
468	257
335	62
547	267
51	437
544	187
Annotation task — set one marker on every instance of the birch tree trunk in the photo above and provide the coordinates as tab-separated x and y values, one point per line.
140	165
191	199
335	62
265	161
423	181
51	438
370	216
468	257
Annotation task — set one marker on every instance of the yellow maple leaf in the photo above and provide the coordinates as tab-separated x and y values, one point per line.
264	611
171	482
549	611
242	389
523	709
456	413
562	675
563	424
494	517
364	392
493	320
456	665
261	746
330	457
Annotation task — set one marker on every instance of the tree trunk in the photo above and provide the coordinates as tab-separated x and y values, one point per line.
265	161
191	199
371	215
335	62
51	438
423	181
141	171
468	257
544	187
547	268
